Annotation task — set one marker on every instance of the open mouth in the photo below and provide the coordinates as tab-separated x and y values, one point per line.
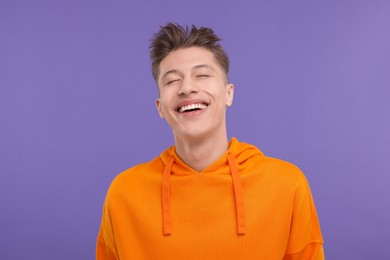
191	107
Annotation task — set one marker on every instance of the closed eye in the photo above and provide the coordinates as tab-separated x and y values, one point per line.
172	81
203	76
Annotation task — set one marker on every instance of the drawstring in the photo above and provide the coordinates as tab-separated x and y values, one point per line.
166	210
240	210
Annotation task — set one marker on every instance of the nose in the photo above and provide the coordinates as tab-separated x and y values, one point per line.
187	87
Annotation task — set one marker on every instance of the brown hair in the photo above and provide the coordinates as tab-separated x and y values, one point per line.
174	36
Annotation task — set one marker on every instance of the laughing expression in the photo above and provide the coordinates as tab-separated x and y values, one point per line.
194	93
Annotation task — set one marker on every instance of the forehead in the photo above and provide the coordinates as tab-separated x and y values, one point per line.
187	59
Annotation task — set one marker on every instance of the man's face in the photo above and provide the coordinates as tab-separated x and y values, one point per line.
194	93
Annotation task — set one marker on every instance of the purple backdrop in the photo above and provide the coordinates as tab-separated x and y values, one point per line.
77	107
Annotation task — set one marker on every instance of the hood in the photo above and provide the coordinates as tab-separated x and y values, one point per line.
232	162
242	152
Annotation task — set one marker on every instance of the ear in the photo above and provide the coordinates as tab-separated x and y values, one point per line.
159	109
229	94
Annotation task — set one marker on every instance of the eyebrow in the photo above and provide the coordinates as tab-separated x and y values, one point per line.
174	71
203	66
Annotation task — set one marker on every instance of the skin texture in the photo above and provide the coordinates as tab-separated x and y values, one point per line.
193	76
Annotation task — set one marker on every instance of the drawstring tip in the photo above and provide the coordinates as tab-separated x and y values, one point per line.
241	231
167	232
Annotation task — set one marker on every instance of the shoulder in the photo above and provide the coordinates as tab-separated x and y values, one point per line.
280	167
137	176
276	172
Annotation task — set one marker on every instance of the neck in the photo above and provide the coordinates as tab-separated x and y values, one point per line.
199	154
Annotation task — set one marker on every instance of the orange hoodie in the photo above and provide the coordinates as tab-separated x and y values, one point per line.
243	206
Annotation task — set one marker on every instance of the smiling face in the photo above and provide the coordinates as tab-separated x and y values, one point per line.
194	93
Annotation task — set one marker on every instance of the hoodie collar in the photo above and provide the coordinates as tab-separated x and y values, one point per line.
241	151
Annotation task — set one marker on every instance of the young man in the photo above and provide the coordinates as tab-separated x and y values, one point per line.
206	197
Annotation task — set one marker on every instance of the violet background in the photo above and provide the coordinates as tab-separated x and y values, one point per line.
77	107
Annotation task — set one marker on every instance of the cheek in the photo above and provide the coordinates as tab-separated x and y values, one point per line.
166	109
167	95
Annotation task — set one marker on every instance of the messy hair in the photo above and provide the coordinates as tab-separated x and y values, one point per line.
174	36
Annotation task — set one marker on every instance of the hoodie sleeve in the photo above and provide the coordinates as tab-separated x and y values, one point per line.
305	241
105	244
103	252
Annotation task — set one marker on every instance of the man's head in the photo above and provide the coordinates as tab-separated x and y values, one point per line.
190	68
173	37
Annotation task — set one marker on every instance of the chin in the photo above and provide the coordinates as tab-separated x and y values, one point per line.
193	134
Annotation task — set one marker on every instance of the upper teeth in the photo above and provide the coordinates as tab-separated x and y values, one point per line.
192	106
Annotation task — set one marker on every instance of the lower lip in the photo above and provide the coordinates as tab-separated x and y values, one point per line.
192	113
